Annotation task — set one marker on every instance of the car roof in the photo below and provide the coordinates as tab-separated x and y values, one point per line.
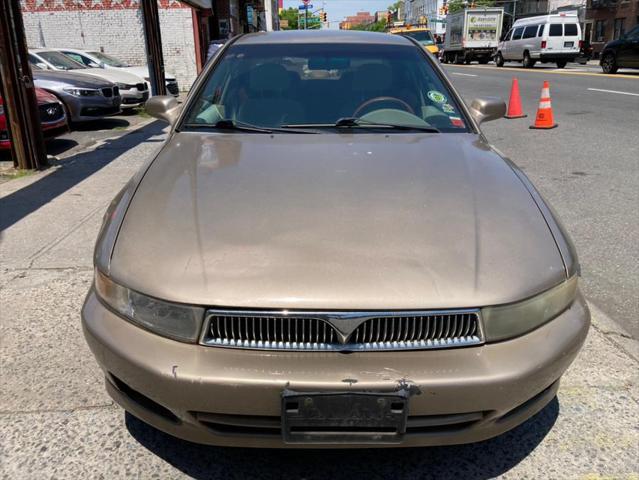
322	36
556	18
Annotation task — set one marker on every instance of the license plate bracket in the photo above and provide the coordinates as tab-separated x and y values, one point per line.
569	44
344	417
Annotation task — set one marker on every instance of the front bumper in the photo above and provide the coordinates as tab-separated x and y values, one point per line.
232	397
82	109
133	98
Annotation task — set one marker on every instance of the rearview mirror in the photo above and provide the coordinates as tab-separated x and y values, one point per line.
487	108
163	107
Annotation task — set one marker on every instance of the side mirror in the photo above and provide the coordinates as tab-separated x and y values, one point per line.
163	107
487	108
43	66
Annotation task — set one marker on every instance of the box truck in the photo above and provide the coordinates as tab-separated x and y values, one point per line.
472	34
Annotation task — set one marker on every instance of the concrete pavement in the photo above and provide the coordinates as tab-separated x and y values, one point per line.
56	421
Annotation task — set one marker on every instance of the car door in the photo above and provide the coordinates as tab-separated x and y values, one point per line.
628	53
505	43
516	46
555	42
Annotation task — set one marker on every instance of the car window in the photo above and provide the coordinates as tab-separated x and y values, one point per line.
109	60
556	30
633	34
60	60
530	31
517	33
272	85
570	30
84	60
506	37
541	30
424	37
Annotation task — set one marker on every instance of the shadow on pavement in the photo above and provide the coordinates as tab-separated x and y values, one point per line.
101	124
56	146
482	460
74	169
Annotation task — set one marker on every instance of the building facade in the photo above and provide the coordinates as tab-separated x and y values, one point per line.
360	18
426	12
115	27
608	20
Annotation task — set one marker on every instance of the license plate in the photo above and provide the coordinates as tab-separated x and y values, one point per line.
349	417
569	44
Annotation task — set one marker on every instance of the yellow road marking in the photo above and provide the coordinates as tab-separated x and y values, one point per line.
533	70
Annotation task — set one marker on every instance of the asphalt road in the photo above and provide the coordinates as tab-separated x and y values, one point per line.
587	168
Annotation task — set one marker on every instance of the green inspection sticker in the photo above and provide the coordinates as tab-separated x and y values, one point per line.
437	97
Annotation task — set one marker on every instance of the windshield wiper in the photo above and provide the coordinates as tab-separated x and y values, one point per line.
228	124
349	122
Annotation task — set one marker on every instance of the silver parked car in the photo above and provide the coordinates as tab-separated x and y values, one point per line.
328	253
84	97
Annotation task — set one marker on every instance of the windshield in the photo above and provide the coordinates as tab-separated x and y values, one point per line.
60	60
278	85
424	37
108	60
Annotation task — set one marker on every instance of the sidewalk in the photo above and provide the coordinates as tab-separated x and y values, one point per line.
56	420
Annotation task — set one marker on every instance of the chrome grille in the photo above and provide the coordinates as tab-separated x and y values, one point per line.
50	112
342	331
272	332
418	331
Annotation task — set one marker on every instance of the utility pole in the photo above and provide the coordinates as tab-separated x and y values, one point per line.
18	91
153	41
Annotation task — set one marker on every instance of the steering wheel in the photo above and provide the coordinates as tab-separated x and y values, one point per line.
370	101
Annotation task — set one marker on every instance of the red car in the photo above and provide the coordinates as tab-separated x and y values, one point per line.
53	118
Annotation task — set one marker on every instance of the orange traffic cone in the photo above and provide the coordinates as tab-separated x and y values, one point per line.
514	104
544	119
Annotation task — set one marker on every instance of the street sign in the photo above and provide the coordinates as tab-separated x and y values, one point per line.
306	6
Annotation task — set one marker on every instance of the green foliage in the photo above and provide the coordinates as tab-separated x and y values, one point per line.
292	15
371	27
457	5
289	14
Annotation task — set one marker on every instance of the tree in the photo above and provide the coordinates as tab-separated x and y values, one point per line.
291	15
371	27
457	5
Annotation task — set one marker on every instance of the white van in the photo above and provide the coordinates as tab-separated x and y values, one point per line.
547	38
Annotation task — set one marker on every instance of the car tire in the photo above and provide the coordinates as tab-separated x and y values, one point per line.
499	60
527	61
561	63
609	63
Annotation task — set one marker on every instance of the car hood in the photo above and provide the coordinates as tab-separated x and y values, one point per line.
335	221
47	79
112	75
143	71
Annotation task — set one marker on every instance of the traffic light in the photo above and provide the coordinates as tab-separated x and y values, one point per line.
323	17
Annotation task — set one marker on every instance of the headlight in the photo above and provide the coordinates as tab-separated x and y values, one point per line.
82	92
173	320
507	321
124	86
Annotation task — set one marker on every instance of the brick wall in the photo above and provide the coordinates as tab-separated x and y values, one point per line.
116	27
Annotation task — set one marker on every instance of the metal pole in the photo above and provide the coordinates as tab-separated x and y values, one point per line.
306	17
153	41
18	91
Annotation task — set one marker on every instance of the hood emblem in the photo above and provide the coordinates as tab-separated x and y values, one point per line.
51	111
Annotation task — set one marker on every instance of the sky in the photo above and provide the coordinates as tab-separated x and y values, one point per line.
336	10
